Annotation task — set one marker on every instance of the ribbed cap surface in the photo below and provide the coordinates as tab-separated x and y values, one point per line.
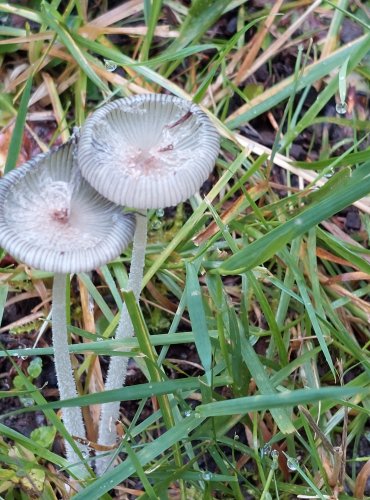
53	220
148	151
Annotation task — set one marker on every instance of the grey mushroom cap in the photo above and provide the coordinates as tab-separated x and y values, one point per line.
53	220
148	151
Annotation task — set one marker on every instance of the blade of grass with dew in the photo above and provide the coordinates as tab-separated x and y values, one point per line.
198	319
311	74
278	400
17	135
122	59
266	247
342	82
306	121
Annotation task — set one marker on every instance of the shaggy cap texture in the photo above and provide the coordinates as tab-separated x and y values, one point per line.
53	220
148	151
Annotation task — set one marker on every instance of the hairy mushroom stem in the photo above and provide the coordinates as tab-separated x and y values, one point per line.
116	375
72	417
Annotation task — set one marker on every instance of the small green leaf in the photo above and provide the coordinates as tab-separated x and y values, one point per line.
35	367
44	436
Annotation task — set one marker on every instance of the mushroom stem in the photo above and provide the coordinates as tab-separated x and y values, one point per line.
118	366
72	417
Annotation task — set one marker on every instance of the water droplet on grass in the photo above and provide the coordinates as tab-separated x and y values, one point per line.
207	476
292	463
160	212
110	65
275	457
341	108
187	413
266	450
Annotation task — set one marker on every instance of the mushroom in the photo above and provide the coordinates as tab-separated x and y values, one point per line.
145	152
53	220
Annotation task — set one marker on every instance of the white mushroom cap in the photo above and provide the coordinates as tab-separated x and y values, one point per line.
148	151
53	220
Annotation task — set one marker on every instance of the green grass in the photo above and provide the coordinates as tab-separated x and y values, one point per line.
257	275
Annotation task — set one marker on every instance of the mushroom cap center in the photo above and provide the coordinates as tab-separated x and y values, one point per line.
57	197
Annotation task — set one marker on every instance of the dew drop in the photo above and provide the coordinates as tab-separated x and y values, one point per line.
236	437
160	212
157	224
341	108
110	65
197	415
24	357
207	476
274	456
187	413
292	463
367	435
266	450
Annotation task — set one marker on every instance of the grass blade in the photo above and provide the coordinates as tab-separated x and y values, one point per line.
281	400
198	319
17	136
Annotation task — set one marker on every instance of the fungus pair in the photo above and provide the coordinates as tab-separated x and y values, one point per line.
143	152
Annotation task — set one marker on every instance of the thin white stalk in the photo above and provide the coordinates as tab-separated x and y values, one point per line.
72	417
116	376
